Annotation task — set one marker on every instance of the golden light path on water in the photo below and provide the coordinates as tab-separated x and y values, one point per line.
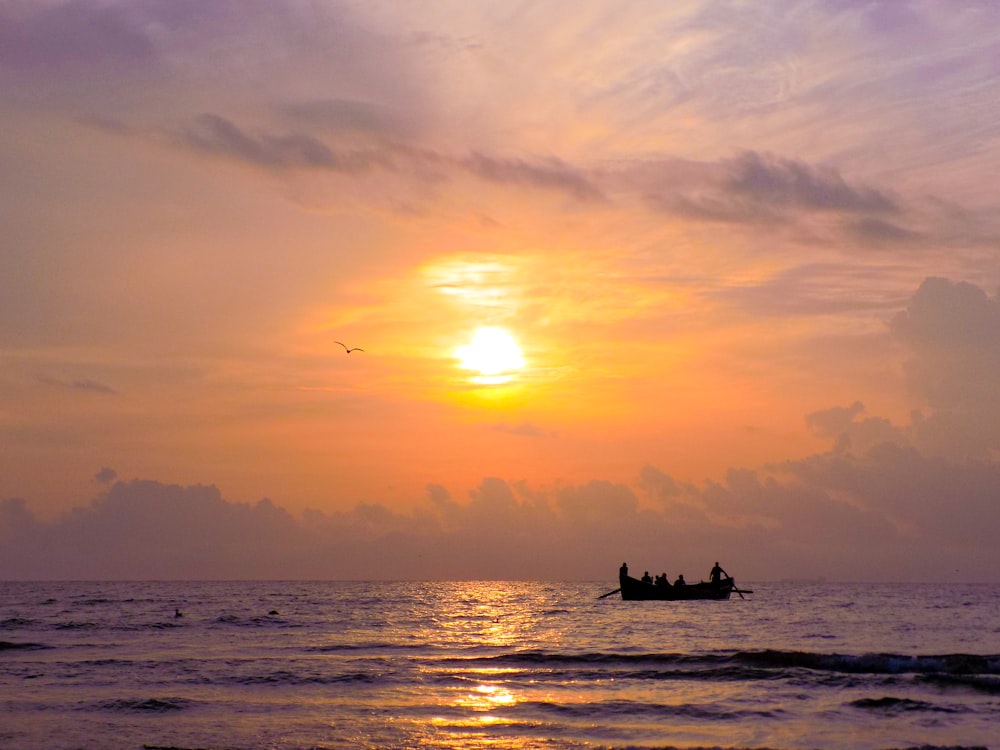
479	701
482	693
503	666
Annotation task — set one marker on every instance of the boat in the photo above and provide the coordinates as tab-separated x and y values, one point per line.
635	590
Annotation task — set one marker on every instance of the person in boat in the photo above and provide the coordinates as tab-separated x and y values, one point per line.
623	572
661	580
717	574
646	578
680	581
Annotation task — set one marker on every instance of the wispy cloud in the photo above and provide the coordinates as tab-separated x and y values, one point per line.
86	385
339	117
545	173
524	429
55	37
878	232
216	135
768	180
760	188
812	289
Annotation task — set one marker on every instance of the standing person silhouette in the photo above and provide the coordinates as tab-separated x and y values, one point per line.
717	574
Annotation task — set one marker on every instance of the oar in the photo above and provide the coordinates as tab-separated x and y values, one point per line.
609	593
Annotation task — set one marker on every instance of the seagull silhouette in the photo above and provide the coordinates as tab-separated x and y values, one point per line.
354	349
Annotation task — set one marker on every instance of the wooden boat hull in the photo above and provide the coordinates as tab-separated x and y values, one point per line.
635	590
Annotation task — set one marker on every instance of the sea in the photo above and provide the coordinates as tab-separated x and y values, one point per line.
495	665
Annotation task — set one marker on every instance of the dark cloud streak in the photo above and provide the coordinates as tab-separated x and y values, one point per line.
767	180
219	136
755	188
873	231
85	385
546	173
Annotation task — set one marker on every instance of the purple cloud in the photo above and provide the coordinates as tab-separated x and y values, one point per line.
889	513
775	182
216	135
61	36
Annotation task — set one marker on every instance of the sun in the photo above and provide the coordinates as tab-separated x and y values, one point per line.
493	353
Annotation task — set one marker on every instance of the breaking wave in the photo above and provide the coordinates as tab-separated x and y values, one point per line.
768	662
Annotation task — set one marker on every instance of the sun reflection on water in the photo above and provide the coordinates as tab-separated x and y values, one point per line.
494	695
480	620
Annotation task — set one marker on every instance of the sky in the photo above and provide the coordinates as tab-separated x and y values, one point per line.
739	262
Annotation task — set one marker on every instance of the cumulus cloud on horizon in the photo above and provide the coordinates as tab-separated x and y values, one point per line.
953	332
883	503
888	514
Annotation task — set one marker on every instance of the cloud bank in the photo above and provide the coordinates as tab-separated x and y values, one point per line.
886	502
888	514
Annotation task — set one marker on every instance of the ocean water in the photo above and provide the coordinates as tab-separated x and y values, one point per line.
253	665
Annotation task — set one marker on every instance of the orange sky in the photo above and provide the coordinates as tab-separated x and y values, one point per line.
713	229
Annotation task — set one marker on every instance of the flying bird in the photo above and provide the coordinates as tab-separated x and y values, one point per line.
353	349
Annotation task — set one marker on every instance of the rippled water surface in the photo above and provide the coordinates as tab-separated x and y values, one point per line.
494	665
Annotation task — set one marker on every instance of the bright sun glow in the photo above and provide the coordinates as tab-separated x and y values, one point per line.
493	353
